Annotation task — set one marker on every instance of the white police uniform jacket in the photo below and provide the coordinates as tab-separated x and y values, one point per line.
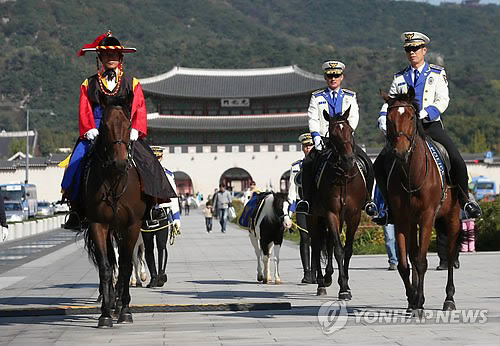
431	91
322	100
174	202
293	188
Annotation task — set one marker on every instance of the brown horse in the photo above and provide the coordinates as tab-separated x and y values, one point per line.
340	198
413	189
114	206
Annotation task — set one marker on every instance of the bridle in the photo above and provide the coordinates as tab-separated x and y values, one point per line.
341	171
408	153
411	138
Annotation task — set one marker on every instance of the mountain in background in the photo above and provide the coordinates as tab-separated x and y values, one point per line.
39	67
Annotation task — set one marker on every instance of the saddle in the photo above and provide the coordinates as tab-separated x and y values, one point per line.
441	159
251	210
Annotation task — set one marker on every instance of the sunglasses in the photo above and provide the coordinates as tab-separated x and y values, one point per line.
413	48
333	75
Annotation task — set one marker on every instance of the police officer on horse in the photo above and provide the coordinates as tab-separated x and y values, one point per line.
111	86
336	101
431	93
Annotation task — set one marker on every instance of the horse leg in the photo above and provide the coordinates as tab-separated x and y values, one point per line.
143	275
276	258
134	278
349	240
403	268
98	235
413	250
421	263
329	265
334	228
258	254
453	230
267	249
126	250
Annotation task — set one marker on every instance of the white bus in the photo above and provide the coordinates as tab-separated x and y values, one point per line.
24	193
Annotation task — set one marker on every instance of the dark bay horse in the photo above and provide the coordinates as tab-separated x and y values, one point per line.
115	207
340	198
414	190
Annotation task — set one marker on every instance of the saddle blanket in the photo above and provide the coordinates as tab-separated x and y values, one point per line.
441	164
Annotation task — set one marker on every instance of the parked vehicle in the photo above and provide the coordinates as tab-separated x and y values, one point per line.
61	207
24	193
483	188
45	209
14	211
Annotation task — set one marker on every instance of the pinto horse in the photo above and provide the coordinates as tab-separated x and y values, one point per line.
340	198
414	188
114	206
266	237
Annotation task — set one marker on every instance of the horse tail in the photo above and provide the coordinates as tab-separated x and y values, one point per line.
92	250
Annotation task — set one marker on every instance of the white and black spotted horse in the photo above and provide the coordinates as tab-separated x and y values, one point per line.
266	234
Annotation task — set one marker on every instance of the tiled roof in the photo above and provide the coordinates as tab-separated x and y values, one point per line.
228	122
215	83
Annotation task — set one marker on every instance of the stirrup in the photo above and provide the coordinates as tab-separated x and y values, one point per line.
472	210
371	209
302	207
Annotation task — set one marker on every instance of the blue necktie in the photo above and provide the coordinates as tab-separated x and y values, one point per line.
416	77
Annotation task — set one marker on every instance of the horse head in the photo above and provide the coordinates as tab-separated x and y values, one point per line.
281	209
115	133
402	124
341	137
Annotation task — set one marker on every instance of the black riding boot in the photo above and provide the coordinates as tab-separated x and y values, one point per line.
370	207
161	244
150	257
75	217
305	256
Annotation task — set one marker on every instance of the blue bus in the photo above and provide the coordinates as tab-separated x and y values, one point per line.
24	193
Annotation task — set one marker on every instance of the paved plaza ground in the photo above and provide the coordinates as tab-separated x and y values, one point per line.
220	268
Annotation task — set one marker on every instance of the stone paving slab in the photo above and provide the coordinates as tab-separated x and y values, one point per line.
220	268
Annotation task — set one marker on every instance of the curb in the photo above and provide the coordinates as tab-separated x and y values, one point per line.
86	310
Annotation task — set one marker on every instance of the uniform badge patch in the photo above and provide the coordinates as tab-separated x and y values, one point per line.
431	80
445	79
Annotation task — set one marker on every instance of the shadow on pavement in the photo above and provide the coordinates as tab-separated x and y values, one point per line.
49	301
227	294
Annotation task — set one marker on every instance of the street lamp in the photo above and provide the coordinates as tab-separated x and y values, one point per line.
28	111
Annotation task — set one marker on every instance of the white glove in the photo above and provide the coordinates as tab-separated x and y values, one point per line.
423	114
134	134
382	125
91	134
5	233
177	223
318	143
287	222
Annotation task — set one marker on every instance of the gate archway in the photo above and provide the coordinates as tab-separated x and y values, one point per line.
184	183
236	179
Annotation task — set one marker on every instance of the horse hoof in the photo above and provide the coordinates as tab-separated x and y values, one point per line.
277	282
321	291
125	318
328	282
345	295
138	284
144	276
418	312
449	305
260	278
105	322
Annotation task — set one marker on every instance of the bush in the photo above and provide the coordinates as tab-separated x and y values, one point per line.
487	229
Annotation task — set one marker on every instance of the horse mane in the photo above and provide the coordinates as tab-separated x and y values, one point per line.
406	98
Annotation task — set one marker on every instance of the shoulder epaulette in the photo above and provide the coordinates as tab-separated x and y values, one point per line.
318	92
296	162
402	71
436	67
348	92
